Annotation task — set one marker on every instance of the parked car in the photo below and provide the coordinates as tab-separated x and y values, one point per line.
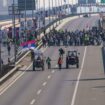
85	15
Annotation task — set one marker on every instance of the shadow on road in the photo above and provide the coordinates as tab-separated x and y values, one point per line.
99	87
56	68
88	79
29	70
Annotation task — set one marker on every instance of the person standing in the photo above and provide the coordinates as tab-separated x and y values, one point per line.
60	62
48	61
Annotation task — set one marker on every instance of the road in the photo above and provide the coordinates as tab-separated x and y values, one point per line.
83	86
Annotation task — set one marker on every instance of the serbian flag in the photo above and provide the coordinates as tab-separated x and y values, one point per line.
29	45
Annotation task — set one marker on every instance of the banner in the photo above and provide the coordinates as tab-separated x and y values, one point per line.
102	1
82	1
91	1
87	1
26	5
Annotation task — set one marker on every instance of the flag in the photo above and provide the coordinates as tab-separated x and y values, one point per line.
29	45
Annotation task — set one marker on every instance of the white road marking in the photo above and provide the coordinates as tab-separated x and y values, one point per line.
32	102
39	91
78	79
14	81
53	71
45	83
49	76
56	66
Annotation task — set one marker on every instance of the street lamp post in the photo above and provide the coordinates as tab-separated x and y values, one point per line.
44	16
52	12
39	13
0	55
59	11
32	9
13	12
56	13
49	13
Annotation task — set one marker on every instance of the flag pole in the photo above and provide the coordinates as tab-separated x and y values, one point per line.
39	14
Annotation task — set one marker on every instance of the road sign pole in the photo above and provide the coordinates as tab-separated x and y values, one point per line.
25	21
52	12
49	13
59	11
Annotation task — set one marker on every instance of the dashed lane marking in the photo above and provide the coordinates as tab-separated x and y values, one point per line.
39	91
45	83
49	76
56	66
32	102
53	71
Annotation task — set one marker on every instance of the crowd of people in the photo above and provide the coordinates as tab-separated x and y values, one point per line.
94	36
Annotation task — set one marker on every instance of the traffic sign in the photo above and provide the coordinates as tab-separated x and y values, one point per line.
102	1
13	10
26	5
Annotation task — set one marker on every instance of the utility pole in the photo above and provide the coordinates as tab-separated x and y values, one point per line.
32	9
56	12
68	7
44	16
39	13
13	12
25	22
52	12
49	13
0	55
59	11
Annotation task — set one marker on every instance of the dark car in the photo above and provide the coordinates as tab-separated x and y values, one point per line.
72	59
85	15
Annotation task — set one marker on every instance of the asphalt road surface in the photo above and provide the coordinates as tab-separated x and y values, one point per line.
83	86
